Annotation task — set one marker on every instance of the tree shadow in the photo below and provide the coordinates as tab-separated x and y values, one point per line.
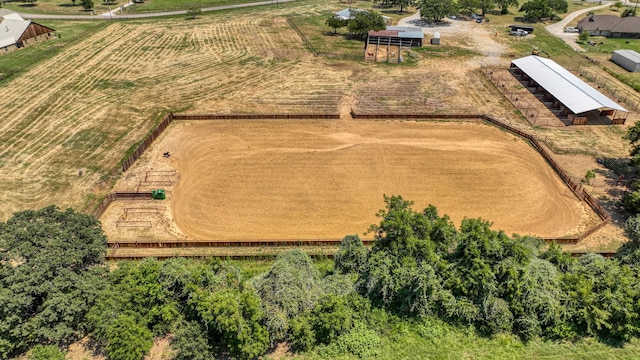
70	5
428	24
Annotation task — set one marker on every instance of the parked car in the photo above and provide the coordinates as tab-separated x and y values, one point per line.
571	30
519	32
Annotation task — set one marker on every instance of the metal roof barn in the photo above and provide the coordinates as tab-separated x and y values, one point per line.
628	59
575	94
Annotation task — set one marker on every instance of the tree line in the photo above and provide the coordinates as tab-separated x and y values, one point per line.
436	10
55	288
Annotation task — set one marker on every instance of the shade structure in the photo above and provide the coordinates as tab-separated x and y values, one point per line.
575	94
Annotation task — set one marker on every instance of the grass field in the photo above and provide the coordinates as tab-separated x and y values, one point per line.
434	340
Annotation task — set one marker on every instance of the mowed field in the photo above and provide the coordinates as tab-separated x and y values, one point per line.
324	179
83	108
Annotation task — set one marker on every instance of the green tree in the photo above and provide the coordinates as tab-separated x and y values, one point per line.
435	10
365	21
291	287
602	298
618	5
589	176
402	3
536	10
48	276
232	319
127	339
189	343
505	4
485	6
351	256
558	6
87	4
629	252
467	6
335	22
45	352
583	36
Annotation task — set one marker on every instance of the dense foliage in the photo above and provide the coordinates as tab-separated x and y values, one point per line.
421	265
631	201
48	277
422	273
365	21
536	10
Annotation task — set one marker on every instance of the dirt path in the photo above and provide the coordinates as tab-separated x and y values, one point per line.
557	29
479	39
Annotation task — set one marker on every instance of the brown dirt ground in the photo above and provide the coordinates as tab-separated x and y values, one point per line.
326	179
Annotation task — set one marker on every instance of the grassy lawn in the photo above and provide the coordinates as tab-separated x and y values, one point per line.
67	31
324	42
59	7
68	8
436	340
172	5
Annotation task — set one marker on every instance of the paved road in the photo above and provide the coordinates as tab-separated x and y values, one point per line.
557	29
114	15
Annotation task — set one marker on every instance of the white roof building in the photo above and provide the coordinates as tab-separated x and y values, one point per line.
13	29
575	94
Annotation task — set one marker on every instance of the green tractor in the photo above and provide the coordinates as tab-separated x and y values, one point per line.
158	194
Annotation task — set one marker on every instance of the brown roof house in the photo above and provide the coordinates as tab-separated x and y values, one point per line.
16	32
611	26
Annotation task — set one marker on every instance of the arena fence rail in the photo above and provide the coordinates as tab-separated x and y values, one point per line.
574	185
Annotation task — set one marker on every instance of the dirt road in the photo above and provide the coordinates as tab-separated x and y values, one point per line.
482	39
557	29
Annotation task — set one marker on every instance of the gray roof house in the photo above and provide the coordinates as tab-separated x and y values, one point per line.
350	14
15	32
611	26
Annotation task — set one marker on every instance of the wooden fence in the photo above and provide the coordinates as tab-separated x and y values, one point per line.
151	244
254	116
146	142
575	186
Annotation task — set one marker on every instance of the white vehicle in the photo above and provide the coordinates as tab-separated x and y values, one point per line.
519	32
571	30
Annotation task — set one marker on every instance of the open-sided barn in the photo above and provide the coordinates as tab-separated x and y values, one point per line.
576	99
628	59
404	36
15	32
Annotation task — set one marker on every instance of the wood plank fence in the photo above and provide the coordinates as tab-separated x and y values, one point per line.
575	186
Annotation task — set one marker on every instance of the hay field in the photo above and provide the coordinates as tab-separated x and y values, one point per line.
273	180
83	108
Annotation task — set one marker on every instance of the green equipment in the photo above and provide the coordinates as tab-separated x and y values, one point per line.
158	194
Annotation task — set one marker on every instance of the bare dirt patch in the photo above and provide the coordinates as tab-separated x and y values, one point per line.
325	179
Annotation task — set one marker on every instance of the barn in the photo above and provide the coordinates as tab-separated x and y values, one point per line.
566	93
628	59
404	36
15	32
386	45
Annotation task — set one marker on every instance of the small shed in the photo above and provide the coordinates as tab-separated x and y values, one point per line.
628	59
527	28
436	39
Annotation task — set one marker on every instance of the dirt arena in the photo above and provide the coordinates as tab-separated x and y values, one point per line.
326	179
